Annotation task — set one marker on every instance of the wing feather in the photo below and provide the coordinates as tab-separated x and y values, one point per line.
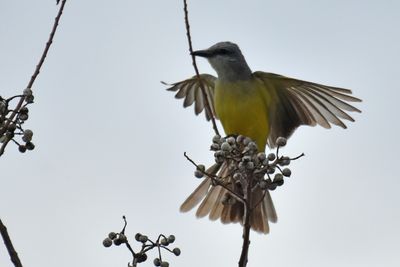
337	98
296	102
316	115
199	104
323	107
333	104
191	92
182	90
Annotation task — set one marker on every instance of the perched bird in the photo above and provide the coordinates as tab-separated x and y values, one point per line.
259	105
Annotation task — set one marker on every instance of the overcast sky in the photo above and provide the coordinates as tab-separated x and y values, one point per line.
110	140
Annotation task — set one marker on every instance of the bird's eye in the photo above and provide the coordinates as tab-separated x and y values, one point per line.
223	51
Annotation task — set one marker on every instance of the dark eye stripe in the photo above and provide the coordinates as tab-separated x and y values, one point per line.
223	51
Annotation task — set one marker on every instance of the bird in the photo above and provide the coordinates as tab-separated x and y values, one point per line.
260	105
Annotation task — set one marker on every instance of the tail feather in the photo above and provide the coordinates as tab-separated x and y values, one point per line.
236	212
212	198
269	208
200	192
197	195
208	203
218	206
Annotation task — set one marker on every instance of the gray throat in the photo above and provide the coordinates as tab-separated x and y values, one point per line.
233	72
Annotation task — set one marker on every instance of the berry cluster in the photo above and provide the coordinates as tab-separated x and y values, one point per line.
241	155
162	242
12	120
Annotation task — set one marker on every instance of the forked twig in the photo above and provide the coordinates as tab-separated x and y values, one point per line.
215	179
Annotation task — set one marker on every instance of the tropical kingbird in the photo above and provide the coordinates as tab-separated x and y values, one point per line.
259	105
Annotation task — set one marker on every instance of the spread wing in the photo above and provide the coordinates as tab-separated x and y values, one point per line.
191	92
297	102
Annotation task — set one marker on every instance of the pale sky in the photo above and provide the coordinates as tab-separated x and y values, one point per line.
110	140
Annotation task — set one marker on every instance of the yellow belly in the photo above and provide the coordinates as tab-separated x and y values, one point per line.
242	107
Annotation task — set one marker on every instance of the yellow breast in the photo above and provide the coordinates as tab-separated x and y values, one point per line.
242	107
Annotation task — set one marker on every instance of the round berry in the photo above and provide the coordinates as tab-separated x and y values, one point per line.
123	238
271	156
112	235
239	139
156	262
11	127
24	110
261	156
29	98
30	146
246	159
201	167
284	161
281	141
176	251
143	238
278	179
107	242
216	138
252	146
23	116
27	92
142	257
272	186
117	241
246	141
171	239
286	172
137	236
214	147
237	176
250	165
198	174
263	184
226	147
22	148
270	170
231	140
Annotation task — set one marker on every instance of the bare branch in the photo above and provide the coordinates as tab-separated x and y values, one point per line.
246	236
189	38
10	248
34	76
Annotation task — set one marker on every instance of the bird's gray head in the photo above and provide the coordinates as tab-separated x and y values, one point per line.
227	60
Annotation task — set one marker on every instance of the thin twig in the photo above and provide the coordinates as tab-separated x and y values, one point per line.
125	224
189	38
34	76
299	156
127	243
10	248
131	250
11	98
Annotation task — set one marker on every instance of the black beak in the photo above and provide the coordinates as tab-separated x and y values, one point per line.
202	53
